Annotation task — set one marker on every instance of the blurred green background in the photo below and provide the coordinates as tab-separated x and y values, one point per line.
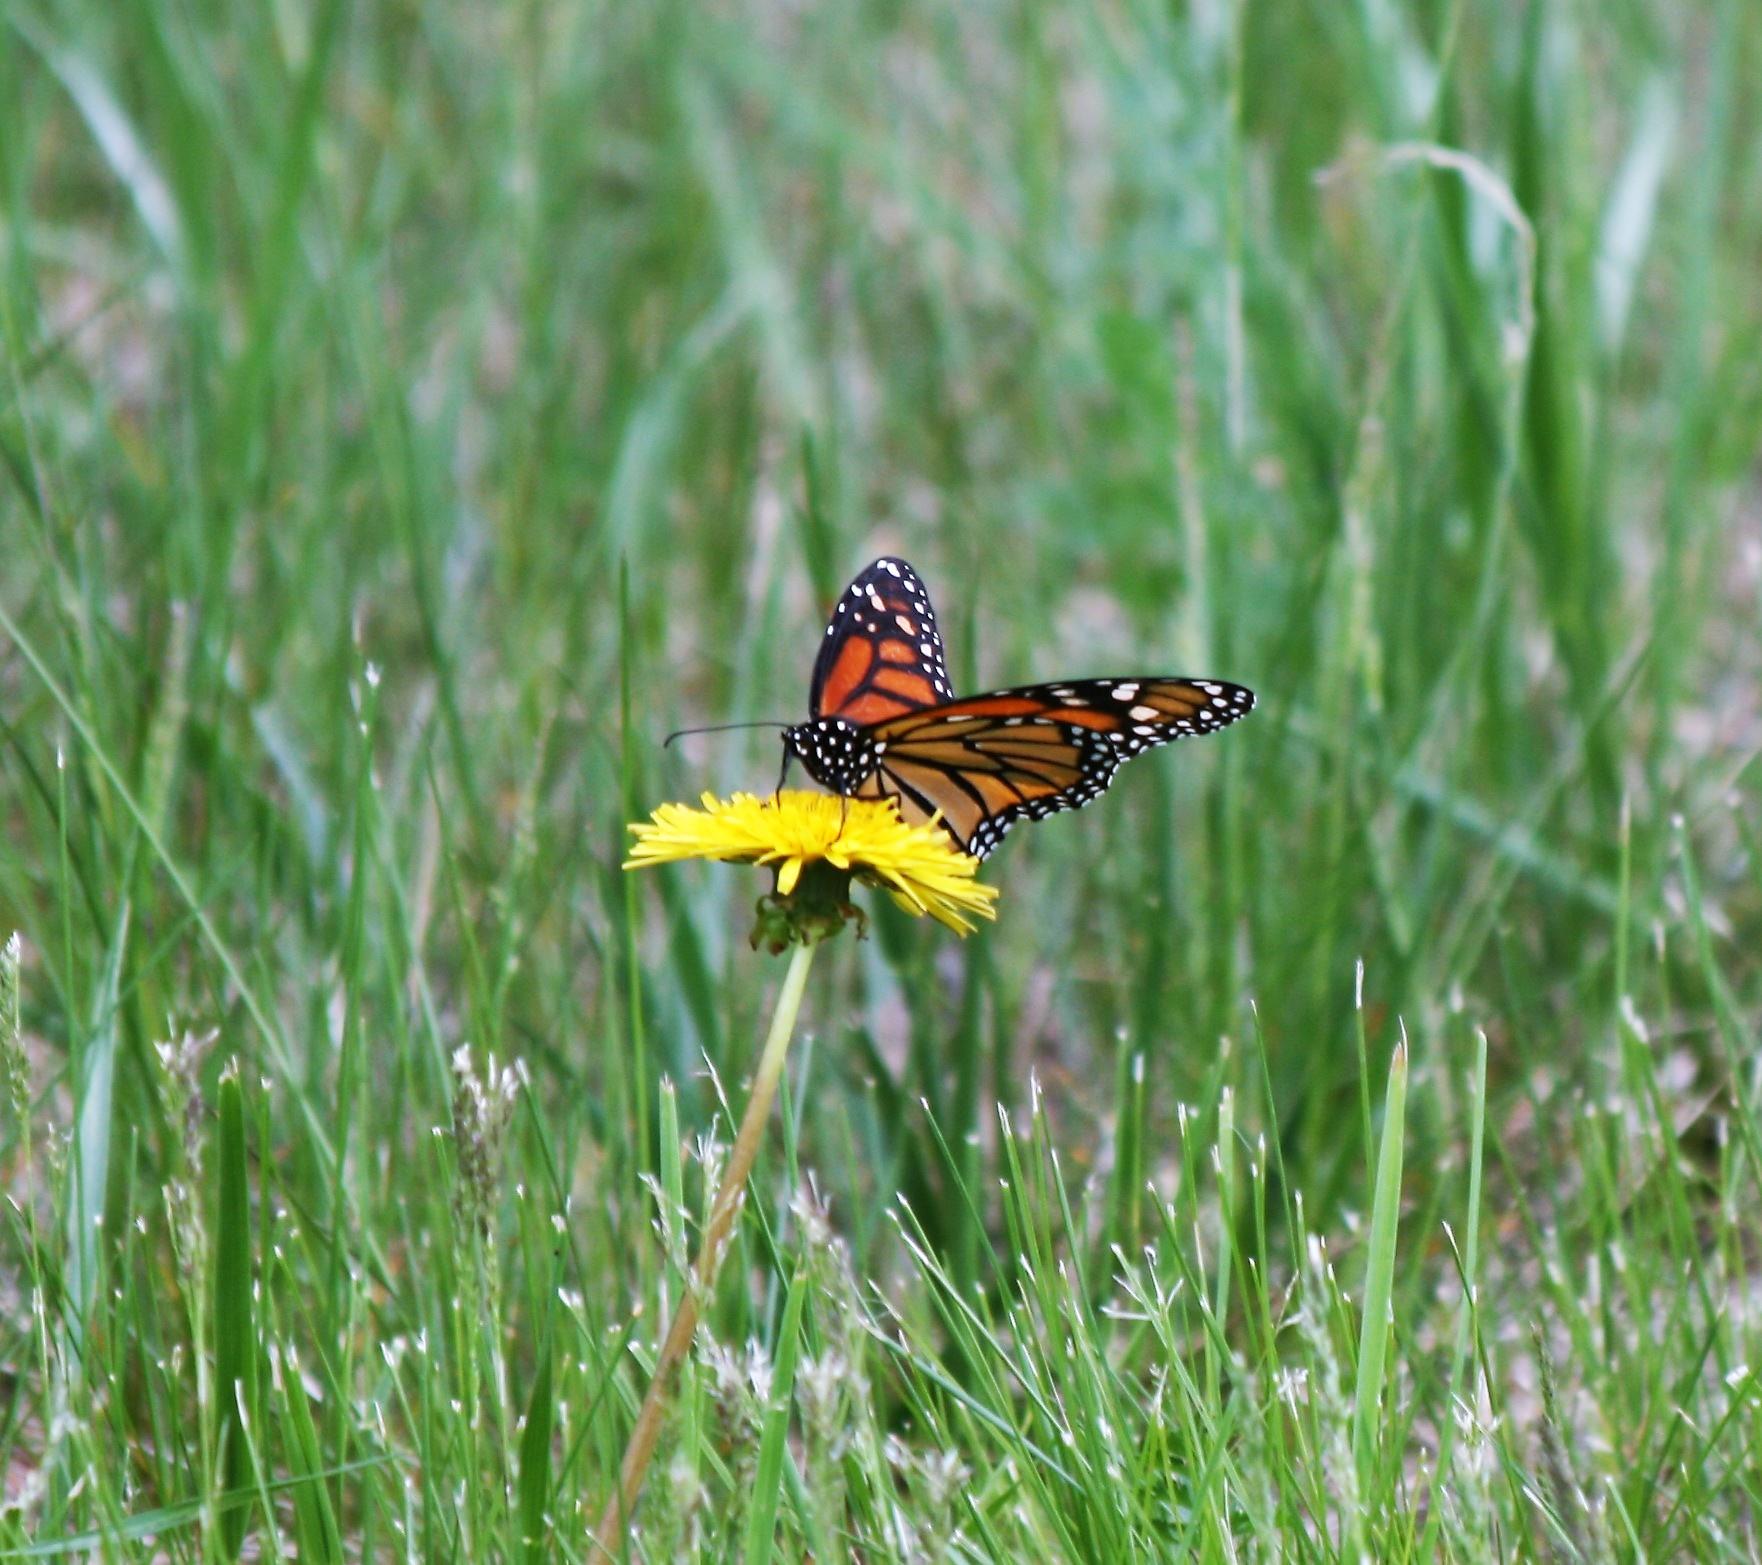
412	411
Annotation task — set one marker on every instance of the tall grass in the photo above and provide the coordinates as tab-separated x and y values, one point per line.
410	413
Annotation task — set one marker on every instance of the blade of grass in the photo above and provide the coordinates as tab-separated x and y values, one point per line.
95	1073
235	1336
768	1478
1466	1357
1374	1331
535	1462
315	1522
638	1078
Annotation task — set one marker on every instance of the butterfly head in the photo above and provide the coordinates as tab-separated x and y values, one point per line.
837	754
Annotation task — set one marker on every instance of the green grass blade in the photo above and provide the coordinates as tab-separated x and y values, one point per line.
1375	1328
315	1522
235	1335
535	1463
761	1526
93	1120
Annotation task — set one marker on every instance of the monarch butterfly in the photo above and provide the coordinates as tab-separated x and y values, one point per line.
886	723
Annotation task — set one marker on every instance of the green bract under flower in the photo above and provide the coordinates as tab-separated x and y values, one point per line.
918	865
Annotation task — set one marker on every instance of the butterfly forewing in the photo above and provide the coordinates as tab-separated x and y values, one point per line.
988	761
881	656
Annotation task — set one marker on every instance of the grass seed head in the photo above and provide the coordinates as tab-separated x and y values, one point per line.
483	1106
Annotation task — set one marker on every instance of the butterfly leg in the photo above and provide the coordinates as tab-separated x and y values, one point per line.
782	775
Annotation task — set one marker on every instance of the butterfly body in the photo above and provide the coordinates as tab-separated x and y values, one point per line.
886	723
837	754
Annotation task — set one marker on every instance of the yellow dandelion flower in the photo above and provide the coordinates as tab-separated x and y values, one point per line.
795	831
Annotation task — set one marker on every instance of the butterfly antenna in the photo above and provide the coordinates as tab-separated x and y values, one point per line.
716	728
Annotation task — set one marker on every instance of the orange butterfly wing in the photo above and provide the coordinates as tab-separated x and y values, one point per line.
882	654
988	761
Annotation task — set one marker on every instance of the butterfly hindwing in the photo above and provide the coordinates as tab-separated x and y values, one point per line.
881	656
986	762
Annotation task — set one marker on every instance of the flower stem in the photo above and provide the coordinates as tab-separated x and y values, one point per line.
726	1207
